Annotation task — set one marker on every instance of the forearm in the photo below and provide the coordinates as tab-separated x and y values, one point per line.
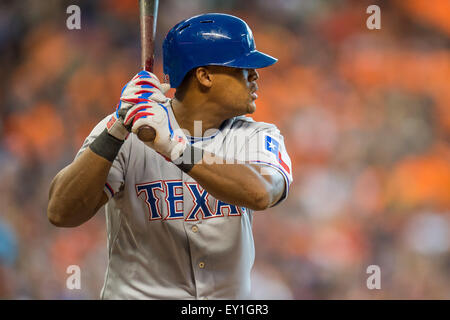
237	184
76	193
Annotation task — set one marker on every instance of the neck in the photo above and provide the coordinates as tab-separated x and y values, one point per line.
187	112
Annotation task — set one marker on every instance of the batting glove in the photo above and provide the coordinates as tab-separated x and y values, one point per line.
144	87
169	142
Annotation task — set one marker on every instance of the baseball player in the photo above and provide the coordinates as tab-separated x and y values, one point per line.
179	209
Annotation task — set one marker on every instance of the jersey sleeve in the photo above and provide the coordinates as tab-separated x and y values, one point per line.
266	146
116	175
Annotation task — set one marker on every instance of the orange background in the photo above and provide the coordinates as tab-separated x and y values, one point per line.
366	120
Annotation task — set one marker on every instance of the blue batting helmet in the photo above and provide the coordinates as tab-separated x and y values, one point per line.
210	39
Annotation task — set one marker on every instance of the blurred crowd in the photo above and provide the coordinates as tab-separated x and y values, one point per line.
366	120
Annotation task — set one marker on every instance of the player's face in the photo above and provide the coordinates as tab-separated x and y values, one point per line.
235	90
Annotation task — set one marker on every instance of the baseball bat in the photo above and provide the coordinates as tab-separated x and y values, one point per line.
148	14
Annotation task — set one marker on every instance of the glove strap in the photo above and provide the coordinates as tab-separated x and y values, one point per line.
117	129
191	155
106	146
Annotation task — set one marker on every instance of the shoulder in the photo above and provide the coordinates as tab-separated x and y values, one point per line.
249	124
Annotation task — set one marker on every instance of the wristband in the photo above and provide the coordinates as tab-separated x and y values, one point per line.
106	146
191	155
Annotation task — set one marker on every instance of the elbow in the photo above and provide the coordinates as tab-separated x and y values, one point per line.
55	220
262	201
54	216
57	217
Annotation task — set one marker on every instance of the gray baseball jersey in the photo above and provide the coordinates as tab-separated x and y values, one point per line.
168	238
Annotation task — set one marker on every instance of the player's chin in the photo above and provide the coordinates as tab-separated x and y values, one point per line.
251	107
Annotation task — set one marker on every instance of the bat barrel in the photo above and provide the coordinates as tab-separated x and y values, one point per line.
148	12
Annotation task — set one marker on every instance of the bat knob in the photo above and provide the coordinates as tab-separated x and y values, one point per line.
146	134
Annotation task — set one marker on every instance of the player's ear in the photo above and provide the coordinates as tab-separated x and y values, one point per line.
204	76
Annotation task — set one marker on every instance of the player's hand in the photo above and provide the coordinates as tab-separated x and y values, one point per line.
169	142
144	87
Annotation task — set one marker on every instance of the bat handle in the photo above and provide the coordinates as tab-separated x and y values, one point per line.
146	134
